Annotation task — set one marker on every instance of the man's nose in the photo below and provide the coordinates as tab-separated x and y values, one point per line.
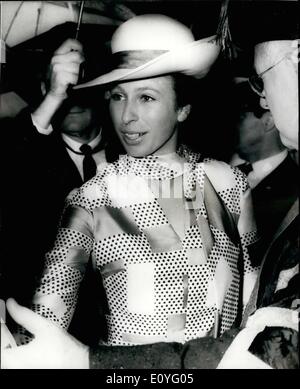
130	112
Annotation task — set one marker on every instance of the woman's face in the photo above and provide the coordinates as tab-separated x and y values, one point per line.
145	115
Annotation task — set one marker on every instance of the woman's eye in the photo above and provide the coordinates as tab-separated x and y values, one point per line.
116	96
147	98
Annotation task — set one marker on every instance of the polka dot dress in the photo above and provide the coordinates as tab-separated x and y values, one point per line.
167	268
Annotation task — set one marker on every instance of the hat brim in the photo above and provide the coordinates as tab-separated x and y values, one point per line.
193	59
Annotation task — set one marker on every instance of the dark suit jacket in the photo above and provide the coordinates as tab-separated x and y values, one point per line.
281	255
37	174
272	199
276	345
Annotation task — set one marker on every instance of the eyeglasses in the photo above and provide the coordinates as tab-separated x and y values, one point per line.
256	82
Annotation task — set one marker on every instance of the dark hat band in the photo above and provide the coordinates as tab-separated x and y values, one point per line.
131	59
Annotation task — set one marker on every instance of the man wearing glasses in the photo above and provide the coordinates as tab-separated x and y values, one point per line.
271	317
276	63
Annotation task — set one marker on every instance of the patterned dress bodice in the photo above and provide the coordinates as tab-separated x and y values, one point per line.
170	262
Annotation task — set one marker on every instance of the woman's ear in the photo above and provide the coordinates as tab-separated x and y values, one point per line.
263	101
107	95
184	112
268	121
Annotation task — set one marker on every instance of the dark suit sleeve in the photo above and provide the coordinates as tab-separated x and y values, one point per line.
202	353
152	356
20	130
21	147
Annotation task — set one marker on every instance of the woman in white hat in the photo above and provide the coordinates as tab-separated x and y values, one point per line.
167	231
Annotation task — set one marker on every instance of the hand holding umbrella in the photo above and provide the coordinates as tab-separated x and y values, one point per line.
64	67
63	72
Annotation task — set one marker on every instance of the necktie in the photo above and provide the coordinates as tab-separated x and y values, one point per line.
245	168
89	164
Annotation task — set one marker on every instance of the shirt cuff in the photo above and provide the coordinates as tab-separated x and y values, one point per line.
41	130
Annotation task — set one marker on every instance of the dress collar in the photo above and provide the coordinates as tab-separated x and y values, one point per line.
160	167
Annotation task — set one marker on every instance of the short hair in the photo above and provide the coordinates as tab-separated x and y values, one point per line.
184	87
271	51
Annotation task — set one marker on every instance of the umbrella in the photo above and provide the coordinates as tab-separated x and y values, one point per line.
32	30
22	20
26	62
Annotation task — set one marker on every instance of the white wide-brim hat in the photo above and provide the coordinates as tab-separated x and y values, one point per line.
152	45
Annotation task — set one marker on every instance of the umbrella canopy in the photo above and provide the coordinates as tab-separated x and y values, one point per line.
22	20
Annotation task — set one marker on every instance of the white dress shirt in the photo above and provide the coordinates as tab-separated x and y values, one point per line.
99	156
41	130
264	167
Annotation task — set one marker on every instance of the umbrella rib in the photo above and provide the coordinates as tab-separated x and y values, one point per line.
12	21
79	19
37	21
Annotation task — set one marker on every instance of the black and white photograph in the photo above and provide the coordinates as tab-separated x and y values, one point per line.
150	187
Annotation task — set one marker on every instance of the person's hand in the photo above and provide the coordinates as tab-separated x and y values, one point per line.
64	67
51	348
238	356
